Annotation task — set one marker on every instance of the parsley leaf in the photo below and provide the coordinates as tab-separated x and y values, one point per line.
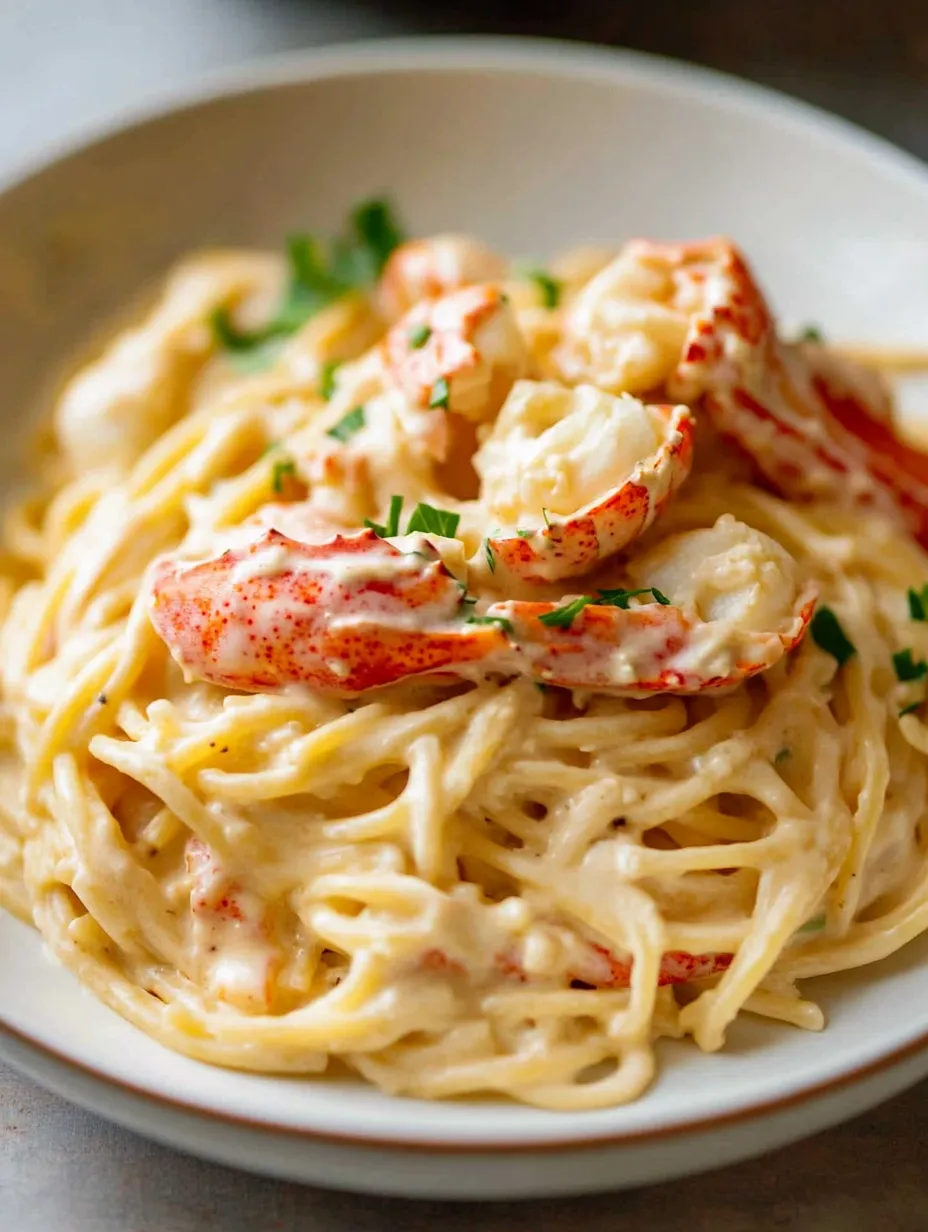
549	287
227	334
545	515
563	617
815	925
620	598
811	333
348	425
782	755
910	709
504	624
377	231
282	469
319	275
827	633
491	557
908	668
392	527
525	534
440	394
433	521
327	382
419	336
918	603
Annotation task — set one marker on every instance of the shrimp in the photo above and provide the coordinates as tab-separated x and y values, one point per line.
345	616
426	268
690	319
455	356
231	933
359	612
577	474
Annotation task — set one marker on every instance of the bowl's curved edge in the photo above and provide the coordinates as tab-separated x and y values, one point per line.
913	1056
484	1172
428	52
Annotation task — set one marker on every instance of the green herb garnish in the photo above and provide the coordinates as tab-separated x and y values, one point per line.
285	468
348	425
491	558
392	527
563	617
620	598
782	755
918	604
827	633
544	514
327	382
319	275
433	521
549	287
811	333
815	925
911	708
525	534
440	394
908	668
419	336
377	232
504	624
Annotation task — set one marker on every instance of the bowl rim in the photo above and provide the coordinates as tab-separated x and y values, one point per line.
546	58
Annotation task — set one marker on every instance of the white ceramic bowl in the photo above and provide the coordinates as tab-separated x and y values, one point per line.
533	146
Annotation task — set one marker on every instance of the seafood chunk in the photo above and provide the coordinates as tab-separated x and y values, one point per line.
359	612
230	933
351	614
458	355
576	475
426	268
625	331
733	607
690	319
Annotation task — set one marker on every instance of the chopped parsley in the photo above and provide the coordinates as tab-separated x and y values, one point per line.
525	534
620	598
490	555
545	515
782	755
285	468
504	624
433	521
908	668
419	336
815	925
811	333
392	527
348	425
910	709
918	604
829	636
563	617
440	394
549	287
327	382
319	275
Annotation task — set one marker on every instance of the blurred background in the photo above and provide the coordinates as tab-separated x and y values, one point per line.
66	65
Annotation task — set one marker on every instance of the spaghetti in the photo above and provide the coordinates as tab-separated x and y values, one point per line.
558	771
